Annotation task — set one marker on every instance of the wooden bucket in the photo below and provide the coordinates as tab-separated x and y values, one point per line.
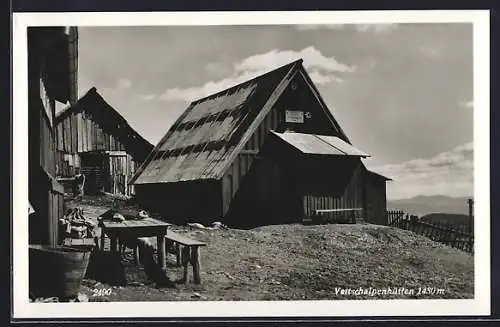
57	270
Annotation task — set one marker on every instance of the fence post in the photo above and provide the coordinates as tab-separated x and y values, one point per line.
471	213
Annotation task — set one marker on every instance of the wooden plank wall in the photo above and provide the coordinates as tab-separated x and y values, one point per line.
119	170
198	201
119	173
376	201
79	133
49	208
66	163
273	121
56	211
47	153
233	178
351	198
44	225
131	171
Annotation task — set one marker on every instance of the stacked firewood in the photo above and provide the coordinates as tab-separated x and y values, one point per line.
77	225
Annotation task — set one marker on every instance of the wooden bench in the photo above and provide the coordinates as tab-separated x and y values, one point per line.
187	251
318	212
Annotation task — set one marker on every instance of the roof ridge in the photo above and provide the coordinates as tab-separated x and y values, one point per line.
119	118
270	85
73	106
246	81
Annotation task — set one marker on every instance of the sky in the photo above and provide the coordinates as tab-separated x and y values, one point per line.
402	92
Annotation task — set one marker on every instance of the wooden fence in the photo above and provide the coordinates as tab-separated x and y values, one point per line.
446	234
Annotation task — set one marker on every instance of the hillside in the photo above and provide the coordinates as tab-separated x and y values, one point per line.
422	205
296	262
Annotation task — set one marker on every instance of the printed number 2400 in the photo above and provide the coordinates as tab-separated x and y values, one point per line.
101	291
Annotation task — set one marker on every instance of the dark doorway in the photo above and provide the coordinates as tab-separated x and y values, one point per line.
93	168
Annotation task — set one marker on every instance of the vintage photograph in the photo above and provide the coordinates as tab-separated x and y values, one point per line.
294	162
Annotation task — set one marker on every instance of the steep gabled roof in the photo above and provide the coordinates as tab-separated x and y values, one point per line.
326	110
207	137
199	144
94	105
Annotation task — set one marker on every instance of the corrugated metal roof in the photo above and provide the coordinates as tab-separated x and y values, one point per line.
342	146
320	144
200	143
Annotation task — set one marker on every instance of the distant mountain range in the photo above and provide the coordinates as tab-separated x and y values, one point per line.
422	205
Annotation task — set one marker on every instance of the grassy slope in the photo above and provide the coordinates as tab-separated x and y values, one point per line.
295	262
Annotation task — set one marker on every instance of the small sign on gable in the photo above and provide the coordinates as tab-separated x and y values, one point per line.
294	116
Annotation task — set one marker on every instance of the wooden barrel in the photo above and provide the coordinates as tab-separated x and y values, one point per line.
57	271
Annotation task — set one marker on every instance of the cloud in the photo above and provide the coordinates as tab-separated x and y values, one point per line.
376	28
320	79
430	51
308	27
197	92
147	97
448	173
123	83
313	58
218	69
364	28
323	69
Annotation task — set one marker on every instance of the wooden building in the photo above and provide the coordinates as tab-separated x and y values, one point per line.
376	200
262	152
93	136
52	64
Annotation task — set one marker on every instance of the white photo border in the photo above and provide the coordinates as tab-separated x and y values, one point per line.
480	305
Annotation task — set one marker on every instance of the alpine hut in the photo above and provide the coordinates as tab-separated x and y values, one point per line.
93	136
262	152
52	67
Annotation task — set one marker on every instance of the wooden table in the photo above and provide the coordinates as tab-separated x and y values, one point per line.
136	228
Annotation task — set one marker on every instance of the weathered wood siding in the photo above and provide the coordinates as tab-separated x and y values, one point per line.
332	186
44	223
235	175
121	168
193	201
45	194
263	197
297	96
78	134
47	153
376	200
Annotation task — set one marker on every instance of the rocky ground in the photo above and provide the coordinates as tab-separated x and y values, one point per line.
296	262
